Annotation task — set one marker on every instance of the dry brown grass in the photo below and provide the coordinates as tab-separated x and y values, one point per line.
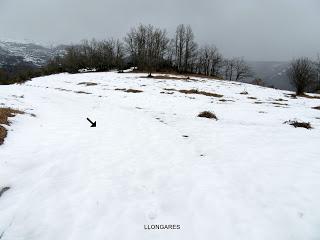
207	114
167	93
279	104
244	93
133	91
253	98
165	77
317	108
88	84
5	114
226	100
82	92
195	91
128	90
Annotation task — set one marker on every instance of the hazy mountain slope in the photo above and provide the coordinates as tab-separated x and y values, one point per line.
272	73
151	160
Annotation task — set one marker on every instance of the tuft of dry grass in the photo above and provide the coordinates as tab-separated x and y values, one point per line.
133	91
88	84
298	124
207	114
82	92
5	114
253	98
244	93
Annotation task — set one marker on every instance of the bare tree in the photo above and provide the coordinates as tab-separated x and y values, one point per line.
190	49
301	74
229	68
180	43
242	70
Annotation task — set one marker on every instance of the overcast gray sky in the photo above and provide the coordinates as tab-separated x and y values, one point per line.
254	29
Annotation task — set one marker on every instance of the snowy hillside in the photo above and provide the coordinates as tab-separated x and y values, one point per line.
29	52
152	161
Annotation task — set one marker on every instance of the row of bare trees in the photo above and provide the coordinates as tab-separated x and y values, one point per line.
102	55
151	49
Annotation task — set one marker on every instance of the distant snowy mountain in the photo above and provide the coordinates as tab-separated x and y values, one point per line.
13	52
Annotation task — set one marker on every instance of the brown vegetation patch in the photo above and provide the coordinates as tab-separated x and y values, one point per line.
82	92
317	108
207	114
254	98
225	100
164	77
298	124
88	84
133	91
196	91
279	104
244	93
258	102
128	90
167	93
5	114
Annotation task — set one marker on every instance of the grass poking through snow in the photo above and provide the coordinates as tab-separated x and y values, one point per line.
5	114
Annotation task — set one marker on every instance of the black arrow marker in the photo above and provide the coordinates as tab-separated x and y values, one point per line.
93	124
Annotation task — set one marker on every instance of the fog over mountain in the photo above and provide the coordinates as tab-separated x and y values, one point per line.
274	30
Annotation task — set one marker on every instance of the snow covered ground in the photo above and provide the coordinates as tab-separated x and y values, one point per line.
152	161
